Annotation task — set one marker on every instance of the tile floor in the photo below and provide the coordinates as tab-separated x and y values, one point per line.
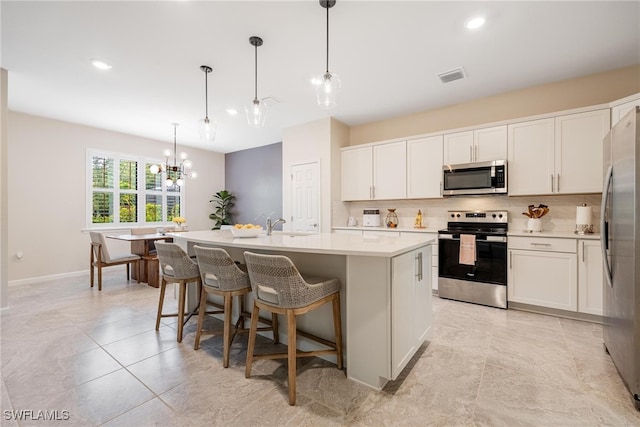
67	347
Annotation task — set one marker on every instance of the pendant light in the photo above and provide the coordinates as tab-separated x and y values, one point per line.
175	172
257	110
207	127
328	85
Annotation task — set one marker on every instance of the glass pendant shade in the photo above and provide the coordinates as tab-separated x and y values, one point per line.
256	113
169	182
207	129
154	169
327	90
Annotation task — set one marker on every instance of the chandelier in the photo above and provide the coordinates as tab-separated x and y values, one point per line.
175	172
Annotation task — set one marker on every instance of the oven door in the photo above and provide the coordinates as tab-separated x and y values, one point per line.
490	266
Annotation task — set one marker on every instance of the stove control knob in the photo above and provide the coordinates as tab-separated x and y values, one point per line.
458	215
453	215
494	215
499	215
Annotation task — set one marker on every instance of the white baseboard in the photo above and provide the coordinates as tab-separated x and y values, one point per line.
32	280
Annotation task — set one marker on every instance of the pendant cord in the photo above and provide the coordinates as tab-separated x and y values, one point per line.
175	146
206	96
327	39
256	74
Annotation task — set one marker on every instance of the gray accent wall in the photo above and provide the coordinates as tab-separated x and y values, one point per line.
254	176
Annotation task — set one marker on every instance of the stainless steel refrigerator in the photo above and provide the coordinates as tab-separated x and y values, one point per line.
620	238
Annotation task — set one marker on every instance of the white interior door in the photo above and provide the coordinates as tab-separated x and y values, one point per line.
305	197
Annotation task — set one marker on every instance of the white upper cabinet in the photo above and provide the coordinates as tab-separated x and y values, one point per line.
479	145
375	172
424	167
357	173
578	151
619	111
390	171
561	155
530	157
458	148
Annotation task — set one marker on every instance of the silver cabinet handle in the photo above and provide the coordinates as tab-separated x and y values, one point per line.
540	244
583	255
419	262
552	182
476	159
470	153
558	183
510	260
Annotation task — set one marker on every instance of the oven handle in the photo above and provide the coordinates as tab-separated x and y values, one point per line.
501	239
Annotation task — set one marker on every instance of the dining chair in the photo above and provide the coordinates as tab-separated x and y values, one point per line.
223	277
100	258
279	287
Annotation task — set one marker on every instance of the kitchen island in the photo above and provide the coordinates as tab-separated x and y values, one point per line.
385	297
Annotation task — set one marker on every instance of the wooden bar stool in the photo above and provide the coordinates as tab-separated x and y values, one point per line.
279	287
223	277
177	267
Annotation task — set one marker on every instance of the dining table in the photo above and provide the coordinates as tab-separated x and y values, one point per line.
142	244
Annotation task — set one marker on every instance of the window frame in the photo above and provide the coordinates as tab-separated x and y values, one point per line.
141	191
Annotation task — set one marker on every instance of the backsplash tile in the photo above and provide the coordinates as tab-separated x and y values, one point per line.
561	216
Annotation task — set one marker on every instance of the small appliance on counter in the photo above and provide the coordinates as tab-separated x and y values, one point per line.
584	224
371	218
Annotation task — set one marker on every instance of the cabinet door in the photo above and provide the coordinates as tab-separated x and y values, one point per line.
619	111
458	148
422	298
490	144
590	277
390	171
424	167
403	342
530	157
546	279
357	173
578	151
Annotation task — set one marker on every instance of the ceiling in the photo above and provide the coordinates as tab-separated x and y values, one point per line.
388	55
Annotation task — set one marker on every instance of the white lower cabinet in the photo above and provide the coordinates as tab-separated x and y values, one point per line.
410	306
543	272
590	277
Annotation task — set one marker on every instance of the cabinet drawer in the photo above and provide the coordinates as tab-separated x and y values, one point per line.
548	244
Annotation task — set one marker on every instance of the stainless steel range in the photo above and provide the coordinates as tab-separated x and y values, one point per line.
472	263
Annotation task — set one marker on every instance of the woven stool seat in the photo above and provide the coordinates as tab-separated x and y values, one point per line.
223	277
279	287
176	267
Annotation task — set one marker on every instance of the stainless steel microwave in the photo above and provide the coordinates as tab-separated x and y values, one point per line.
475	178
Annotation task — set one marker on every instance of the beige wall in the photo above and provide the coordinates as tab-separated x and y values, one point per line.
4	198
580	92
47	191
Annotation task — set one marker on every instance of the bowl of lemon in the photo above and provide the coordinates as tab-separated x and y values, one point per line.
246	230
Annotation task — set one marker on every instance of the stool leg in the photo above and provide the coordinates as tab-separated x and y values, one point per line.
337	324
183	288
163	286
201	311
252	339
274	324
291	352
227	329
91	266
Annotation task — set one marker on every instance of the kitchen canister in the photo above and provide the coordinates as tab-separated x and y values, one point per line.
584	221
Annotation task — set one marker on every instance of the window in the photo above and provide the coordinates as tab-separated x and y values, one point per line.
122	190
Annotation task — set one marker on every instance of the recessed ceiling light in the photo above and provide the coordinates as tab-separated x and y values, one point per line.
100	64
475	23
231	111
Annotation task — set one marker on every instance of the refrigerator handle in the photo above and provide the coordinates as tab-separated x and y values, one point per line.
604	226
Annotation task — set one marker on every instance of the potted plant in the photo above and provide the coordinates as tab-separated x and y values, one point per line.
224	201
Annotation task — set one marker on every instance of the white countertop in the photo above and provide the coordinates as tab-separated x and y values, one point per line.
556	234
402	229
324	243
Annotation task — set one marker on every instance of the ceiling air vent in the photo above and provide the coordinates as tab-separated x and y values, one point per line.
451	75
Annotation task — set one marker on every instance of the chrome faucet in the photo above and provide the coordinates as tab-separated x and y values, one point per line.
270	225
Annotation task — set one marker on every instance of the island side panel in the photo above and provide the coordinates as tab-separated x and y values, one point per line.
368	320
